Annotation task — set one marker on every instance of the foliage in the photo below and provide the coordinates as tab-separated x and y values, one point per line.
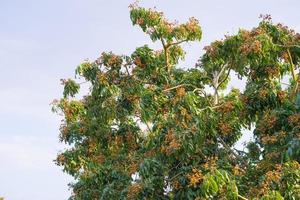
150	130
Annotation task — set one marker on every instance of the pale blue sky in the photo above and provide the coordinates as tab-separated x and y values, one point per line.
42	41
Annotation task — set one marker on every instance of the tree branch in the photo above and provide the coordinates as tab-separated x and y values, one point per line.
241	197
163	42
181	85
83	82
231	151
166	52
175	87
227	75
178	42
292	68
221	71
127	69
288	46
170	179
202	91
214	107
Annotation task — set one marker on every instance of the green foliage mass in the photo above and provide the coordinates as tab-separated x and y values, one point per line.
148	129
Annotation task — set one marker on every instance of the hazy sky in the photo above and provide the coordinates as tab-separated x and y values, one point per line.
42	41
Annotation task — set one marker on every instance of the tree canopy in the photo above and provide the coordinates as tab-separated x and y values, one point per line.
148	129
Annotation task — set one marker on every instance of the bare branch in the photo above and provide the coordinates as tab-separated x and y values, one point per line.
209	107
175	87
83	82
241	197
227	75
177	43
221	71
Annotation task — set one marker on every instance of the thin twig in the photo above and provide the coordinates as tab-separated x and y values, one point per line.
285	84
176	175
83	82
209	107
201	90
182	85
175	87
288	46
176	43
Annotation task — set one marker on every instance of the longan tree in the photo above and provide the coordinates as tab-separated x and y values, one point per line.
148	129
